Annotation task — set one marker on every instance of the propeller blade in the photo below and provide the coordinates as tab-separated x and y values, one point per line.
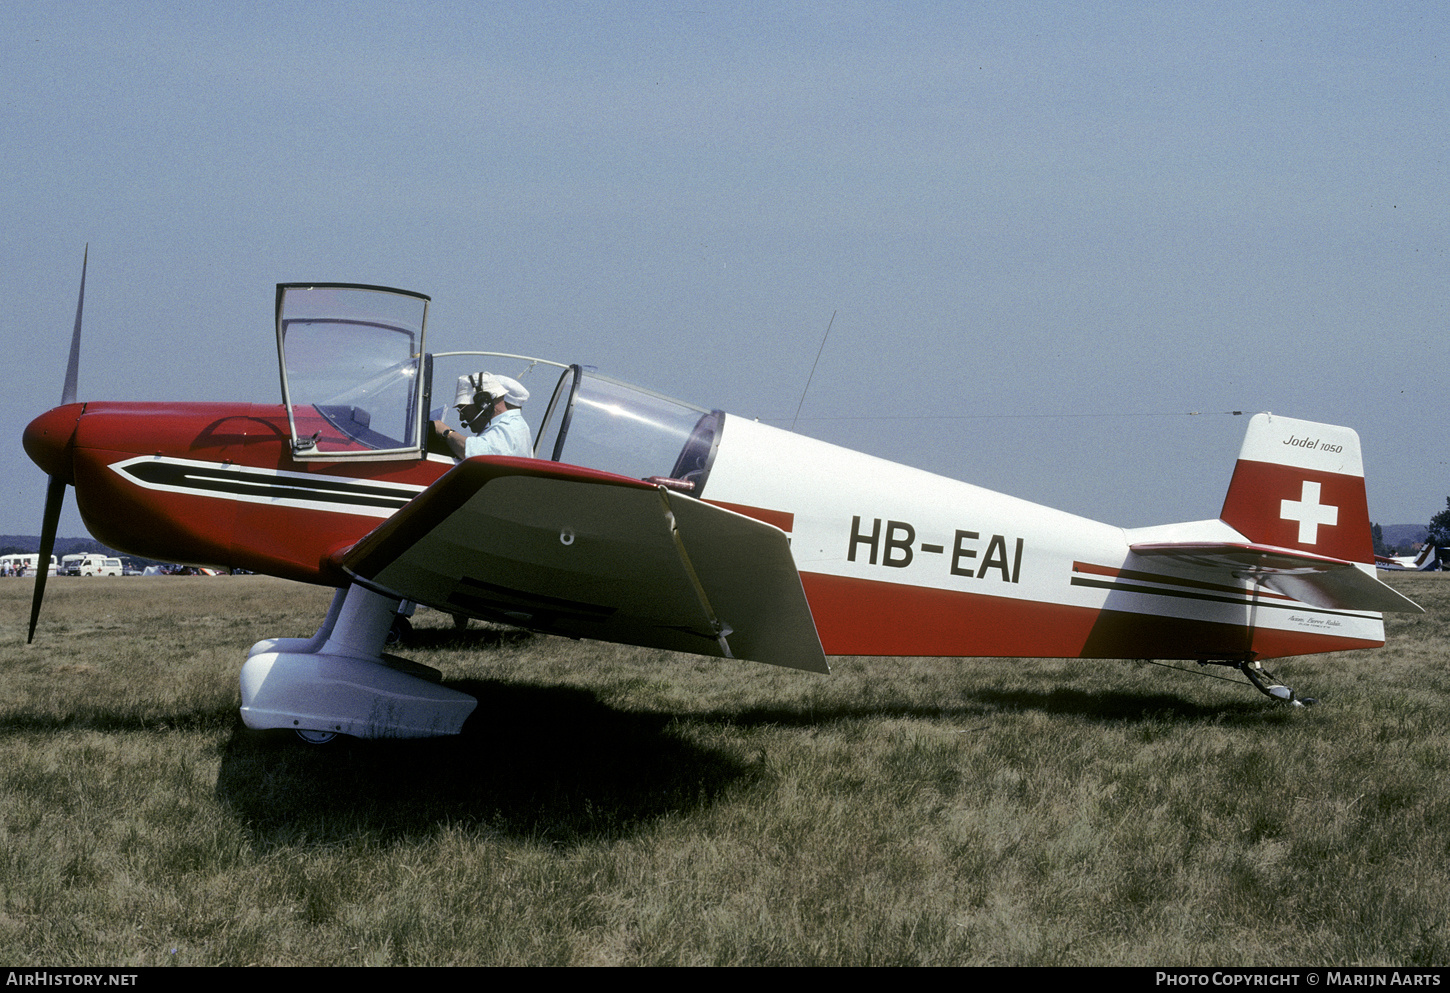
72	369
54	498
55	492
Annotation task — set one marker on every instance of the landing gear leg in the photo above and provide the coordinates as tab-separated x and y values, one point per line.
1255	673
342	682
1274	691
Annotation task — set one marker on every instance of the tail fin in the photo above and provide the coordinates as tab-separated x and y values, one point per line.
1297	495
1300	485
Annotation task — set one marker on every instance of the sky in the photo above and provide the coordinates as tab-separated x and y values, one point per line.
1055	244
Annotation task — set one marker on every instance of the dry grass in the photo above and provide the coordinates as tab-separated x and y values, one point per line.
609	805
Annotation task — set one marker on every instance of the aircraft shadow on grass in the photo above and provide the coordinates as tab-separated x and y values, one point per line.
1114	707
536	761
555	763
1108	708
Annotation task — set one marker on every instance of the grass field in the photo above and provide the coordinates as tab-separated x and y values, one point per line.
610	805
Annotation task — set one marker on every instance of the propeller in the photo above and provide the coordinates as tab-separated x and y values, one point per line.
55	491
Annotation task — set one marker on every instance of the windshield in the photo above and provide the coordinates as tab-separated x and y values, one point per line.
351	359
355	380
601	423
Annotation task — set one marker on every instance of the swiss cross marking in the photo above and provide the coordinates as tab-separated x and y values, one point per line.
1309	512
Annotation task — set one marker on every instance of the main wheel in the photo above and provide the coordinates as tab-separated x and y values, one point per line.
400	631
316	737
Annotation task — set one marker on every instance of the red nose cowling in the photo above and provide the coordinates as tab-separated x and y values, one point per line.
48	440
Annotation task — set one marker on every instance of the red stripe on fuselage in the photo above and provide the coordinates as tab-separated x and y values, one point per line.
867	617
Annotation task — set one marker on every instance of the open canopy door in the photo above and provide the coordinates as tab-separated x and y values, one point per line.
351	359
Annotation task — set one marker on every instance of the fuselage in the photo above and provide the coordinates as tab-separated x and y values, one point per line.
893	560
897	561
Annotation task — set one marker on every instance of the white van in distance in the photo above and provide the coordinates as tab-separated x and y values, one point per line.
11	564
92	564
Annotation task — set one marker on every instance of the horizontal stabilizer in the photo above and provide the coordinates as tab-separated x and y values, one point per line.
589	554
1317	580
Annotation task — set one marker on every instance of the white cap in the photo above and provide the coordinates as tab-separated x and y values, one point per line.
513	392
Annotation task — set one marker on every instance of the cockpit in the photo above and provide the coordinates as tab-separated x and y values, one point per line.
358	383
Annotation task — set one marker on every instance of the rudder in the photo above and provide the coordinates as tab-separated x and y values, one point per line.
1299	484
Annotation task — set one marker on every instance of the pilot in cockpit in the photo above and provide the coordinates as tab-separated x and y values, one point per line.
489	406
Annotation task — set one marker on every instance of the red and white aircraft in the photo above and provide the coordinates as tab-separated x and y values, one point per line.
1427	559
649	521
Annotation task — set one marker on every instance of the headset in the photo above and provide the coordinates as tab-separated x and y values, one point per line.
482	399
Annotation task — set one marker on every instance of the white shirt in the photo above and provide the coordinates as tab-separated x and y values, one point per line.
506	434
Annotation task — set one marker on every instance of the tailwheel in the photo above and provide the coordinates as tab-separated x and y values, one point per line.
1255	673
1275	690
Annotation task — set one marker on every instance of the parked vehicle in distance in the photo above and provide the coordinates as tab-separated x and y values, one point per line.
106	567
91	564
10	564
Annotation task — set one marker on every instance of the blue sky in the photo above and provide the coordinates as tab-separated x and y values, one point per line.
1047	232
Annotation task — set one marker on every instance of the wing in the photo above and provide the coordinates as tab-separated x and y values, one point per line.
588	554
1319	580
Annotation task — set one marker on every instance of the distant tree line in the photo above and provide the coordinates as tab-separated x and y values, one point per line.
1440	526
1437	532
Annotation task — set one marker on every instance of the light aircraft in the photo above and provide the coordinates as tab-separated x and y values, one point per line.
1427	559
649	521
